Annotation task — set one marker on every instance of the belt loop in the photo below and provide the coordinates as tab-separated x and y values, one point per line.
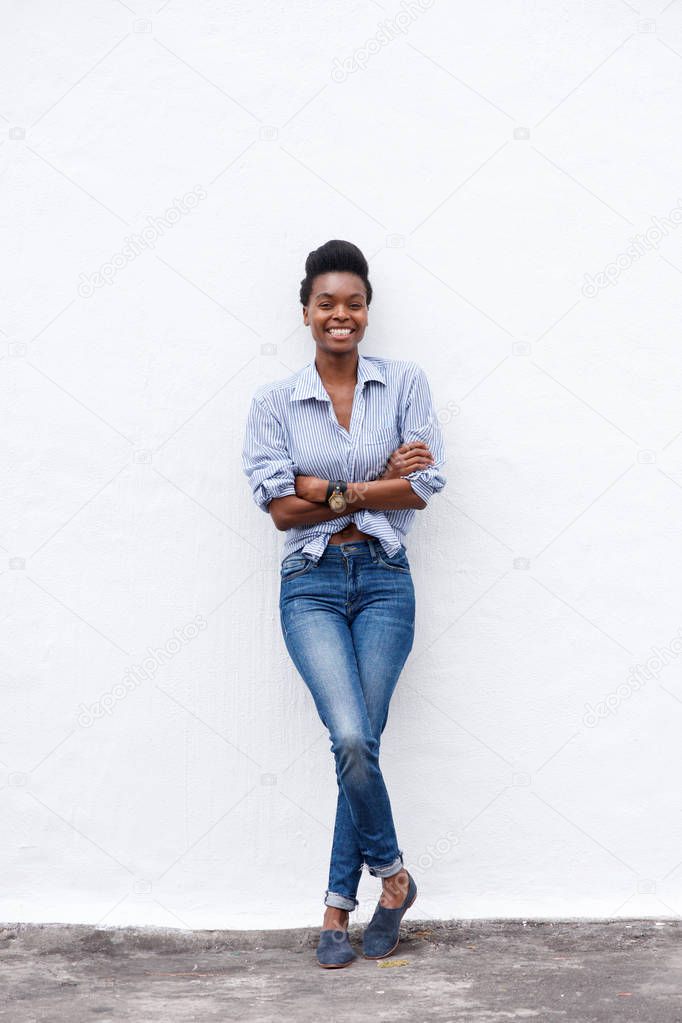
371	547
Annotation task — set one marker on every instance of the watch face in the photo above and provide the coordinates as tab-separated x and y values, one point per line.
337	502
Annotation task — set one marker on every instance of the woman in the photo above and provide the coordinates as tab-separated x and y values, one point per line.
341	455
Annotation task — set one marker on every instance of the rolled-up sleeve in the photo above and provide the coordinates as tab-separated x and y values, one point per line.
421	423
265	459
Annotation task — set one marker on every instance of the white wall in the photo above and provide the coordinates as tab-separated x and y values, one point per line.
486	160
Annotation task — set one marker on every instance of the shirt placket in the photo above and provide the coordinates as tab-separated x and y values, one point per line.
356	429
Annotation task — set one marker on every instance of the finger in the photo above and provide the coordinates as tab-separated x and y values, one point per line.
421	452
410	464
412	444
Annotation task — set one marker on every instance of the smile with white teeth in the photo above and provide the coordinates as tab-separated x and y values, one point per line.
339	331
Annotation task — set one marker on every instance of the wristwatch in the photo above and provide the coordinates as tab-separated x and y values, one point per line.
335	495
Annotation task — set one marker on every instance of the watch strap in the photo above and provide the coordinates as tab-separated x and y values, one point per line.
335	486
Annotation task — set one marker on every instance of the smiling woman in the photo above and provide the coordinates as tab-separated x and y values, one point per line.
319	439
335	305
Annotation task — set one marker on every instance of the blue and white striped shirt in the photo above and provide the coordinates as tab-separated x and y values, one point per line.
292	430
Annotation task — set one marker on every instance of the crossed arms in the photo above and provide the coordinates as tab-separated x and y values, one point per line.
308	506
412	474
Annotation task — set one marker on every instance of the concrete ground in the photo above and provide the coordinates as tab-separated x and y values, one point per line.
582	972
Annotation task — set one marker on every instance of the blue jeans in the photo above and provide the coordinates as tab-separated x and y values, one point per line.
348	624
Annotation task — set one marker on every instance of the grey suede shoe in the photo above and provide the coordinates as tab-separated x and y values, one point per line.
382	933
334	948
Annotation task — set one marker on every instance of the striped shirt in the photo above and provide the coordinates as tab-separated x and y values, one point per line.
292	429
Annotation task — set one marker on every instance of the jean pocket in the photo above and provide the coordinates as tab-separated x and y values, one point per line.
397	562
295	565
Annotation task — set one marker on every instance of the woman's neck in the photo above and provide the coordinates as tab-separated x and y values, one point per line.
338	370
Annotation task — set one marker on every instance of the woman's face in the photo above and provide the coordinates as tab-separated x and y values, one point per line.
337	311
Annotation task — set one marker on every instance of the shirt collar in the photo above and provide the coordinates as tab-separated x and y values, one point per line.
309	384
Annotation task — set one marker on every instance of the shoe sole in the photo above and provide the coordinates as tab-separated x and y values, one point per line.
384	954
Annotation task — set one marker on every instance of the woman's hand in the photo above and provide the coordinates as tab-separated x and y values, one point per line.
405	459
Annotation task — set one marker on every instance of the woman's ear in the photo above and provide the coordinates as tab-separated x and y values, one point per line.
305	315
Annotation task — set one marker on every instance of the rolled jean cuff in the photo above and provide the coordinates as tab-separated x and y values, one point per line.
340	901
389	869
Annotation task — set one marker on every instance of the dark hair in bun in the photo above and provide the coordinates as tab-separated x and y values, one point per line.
334	257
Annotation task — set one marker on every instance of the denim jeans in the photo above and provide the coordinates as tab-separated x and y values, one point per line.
348	625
